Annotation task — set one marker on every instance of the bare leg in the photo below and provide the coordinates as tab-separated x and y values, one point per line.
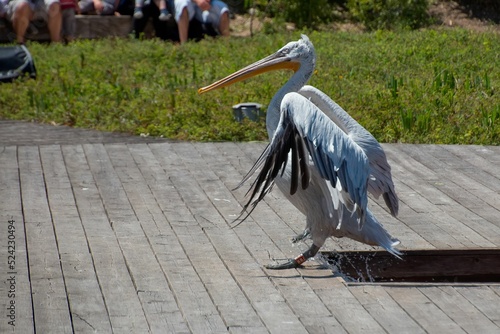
224	24
162	4
21	20
54	22
183	26
295	263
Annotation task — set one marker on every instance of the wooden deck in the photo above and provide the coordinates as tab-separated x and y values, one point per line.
132	235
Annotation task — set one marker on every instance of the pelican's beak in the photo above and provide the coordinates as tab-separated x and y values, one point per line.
276	61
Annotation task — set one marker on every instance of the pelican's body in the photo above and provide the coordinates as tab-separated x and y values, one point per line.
316	143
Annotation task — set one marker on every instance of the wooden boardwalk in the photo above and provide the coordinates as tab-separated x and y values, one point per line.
121	235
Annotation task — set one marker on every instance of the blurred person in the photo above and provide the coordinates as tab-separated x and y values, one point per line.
192	23
3	8
162	5
99	7
163	29
68	10
22	12
209	12
3	12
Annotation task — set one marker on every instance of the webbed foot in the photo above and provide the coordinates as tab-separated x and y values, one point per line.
290	264
296	263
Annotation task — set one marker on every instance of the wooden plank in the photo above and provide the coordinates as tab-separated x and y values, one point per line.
50	305
385	310
191	294
313	313
120	297
146	272
117	206
88	312
423	311
459	309
462	232
162	312
460	194
486	229
343	305
490	153
15	289
158	300
482	185
484	299
485	196
477	168
474	176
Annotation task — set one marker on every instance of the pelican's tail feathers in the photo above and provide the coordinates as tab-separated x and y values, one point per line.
394	251
372	233
378	236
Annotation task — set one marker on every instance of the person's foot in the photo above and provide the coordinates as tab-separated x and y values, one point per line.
138	13
164	15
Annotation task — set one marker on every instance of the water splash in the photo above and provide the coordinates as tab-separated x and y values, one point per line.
355	267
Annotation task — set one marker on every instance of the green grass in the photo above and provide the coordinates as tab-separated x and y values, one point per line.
428	86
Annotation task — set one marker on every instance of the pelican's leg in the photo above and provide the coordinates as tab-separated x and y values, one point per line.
295	263
301	236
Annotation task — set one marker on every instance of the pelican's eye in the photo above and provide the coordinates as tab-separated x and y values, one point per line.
284	51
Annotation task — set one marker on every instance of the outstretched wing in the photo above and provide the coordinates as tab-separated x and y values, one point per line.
380	181
304	131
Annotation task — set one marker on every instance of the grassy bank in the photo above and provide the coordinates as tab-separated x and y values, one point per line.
420	87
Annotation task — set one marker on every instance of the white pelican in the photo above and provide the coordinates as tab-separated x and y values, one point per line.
314	142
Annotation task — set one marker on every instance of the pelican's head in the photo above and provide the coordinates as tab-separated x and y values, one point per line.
295	56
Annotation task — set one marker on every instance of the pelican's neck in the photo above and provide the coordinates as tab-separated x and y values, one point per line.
294	84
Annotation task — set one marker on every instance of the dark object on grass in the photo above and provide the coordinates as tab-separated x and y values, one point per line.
15	62
250	110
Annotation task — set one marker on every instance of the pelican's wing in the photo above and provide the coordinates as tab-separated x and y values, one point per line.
380	181
304	130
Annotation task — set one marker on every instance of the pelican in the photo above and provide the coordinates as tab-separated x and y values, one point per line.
322	160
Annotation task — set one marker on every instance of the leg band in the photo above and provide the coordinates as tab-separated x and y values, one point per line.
300	259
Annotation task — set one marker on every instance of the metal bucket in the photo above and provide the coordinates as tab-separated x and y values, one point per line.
250	110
